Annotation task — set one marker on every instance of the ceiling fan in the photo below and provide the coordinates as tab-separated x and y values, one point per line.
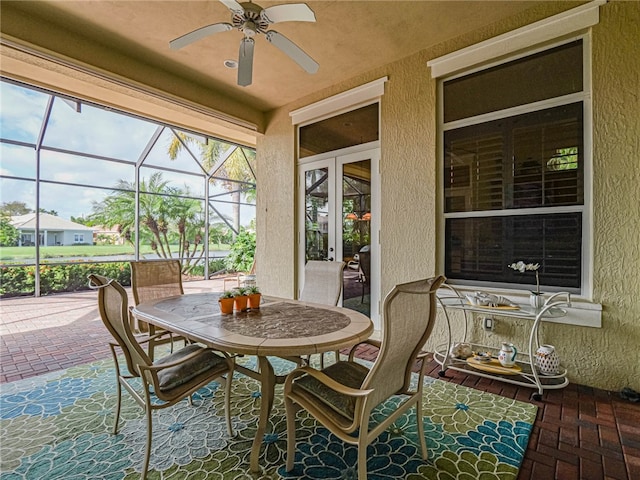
252	19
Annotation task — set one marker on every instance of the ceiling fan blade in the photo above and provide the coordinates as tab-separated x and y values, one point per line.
295	52
245	62
234	6
198	34
292	12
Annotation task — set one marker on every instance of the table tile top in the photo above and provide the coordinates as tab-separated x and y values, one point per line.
279	326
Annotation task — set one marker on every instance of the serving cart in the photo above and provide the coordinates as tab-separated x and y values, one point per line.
524	373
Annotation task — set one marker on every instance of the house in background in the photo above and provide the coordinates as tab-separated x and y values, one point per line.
53	230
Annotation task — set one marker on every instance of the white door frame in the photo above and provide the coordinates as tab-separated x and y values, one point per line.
334	162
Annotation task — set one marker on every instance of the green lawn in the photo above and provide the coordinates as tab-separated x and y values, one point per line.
18	254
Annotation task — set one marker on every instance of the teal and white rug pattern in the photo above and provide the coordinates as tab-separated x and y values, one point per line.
58	426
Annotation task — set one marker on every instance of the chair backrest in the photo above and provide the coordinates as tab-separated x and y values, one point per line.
409	316
114	311
322	282
154	279
252	271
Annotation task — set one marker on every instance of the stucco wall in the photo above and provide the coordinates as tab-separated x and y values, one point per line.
275	210
607	357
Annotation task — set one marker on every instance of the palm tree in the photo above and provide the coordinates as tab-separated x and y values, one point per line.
118	209
235	174
238	171
163	214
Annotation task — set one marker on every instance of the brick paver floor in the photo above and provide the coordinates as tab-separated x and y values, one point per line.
579	433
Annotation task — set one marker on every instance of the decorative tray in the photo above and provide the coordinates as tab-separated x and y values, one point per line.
493	366
500	307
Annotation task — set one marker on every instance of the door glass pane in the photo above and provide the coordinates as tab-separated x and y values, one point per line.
316	214
356	234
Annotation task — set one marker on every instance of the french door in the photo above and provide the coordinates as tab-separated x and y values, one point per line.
340	221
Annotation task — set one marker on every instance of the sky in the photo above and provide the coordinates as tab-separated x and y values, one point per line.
92	131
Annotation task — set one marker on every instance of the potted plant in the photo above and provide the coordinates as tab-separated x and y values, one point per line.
226	301
535	299
254	296
241	298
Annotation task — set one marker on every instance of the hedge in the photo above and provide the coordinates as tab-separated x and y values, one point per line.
20	280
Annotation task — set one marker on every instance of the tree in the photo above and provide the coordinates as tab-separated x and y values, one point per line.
8	233
50	212
81	220
20	208
166	218
235	174
15	208
219	233
118	209
243	250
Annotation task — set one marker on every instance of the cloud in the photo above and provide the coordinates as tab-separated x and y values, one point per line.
93	131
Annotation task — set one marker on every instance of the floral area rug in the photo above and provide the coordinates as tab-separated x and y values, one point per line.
58	426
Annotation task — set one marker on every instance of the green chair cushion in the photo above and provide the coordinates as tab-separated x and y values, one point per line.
173	377
350	374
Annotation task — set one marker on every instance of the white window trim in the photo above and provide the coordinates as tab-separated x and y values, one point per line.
332	106
549	29
478	57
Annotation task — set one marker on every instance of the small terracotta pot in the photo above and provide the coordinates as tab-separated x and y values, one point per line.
254	300
226	305
240	303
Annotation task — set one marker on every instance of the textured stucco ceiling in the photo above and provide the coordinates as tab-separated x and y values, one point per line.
349	38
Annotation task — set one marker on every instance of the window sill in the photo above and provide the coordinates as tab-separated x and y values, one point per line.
582	313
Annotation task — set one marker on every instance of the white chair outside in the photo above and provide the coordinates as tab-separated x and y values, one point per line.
323	282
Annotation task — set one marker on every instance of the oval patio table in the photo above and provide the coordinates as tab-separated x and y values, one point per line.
281	328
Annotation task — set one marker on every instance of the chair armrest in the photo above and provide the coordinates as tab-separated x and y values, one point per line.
370	341
324	379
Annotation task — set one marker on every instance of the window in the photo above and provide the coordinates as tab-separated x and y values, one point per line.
514	171
340	131
78	238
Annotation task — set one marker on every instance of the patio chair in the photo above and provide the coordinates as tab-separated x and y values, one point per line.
242	279
165	382
365	271
354	263
342	396
323	284
151	280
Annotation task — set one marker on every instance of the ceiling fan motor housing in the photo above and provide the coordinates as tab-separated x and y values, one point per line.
251	22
